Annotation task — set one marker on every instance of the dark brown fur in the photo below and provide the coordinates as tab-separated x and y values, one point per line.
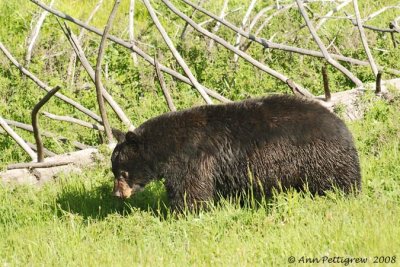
209	151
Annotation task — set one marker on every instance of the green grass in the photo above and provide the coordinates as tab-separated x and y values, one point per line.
76	221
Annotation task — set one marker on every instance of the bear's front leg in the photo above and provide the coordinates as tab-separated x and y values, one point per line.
189	193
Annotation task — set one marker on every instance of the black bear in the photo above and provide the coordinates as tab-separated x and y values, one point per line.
206	152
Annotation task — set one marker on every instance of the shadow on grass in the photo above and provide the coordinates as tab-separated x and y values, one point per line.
98	202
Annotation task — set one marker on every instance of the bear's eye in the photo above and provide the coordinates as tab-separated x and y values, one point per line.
124	175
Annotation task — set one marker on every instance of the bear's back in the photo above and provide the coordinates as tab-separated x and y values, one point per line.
278	117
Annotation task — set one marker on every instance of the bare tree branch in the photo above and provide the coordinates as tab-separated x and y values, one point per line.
233	49
131	29
164	88
323	49
74	120
34	34
18	139
392	26
176	54
46	87
35	124
364	39
97	73
29	128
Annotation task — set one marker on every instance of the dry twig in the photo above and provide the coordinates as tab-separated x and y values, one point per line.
330	13
185	28
74	120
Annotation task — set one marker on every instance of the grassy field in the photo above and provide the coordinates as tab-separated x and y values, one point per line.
75	220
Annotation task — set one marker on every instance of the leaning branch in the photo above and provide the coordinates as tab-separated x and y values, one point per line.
17	139
164	88
364	39
380	11
131	28
176	54
74	120
97	73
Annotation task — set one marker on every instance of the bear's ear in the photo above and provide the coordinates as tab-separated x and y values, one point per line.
132	138
119	135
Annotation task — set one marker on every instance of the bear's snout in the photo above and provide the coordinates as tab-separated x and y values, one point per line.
122	189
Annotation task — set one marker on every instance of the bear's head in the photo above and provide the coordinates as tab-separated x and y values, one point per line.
129	166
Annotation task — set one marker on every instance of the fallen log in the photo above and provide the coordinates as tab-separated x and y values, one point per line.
34	173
